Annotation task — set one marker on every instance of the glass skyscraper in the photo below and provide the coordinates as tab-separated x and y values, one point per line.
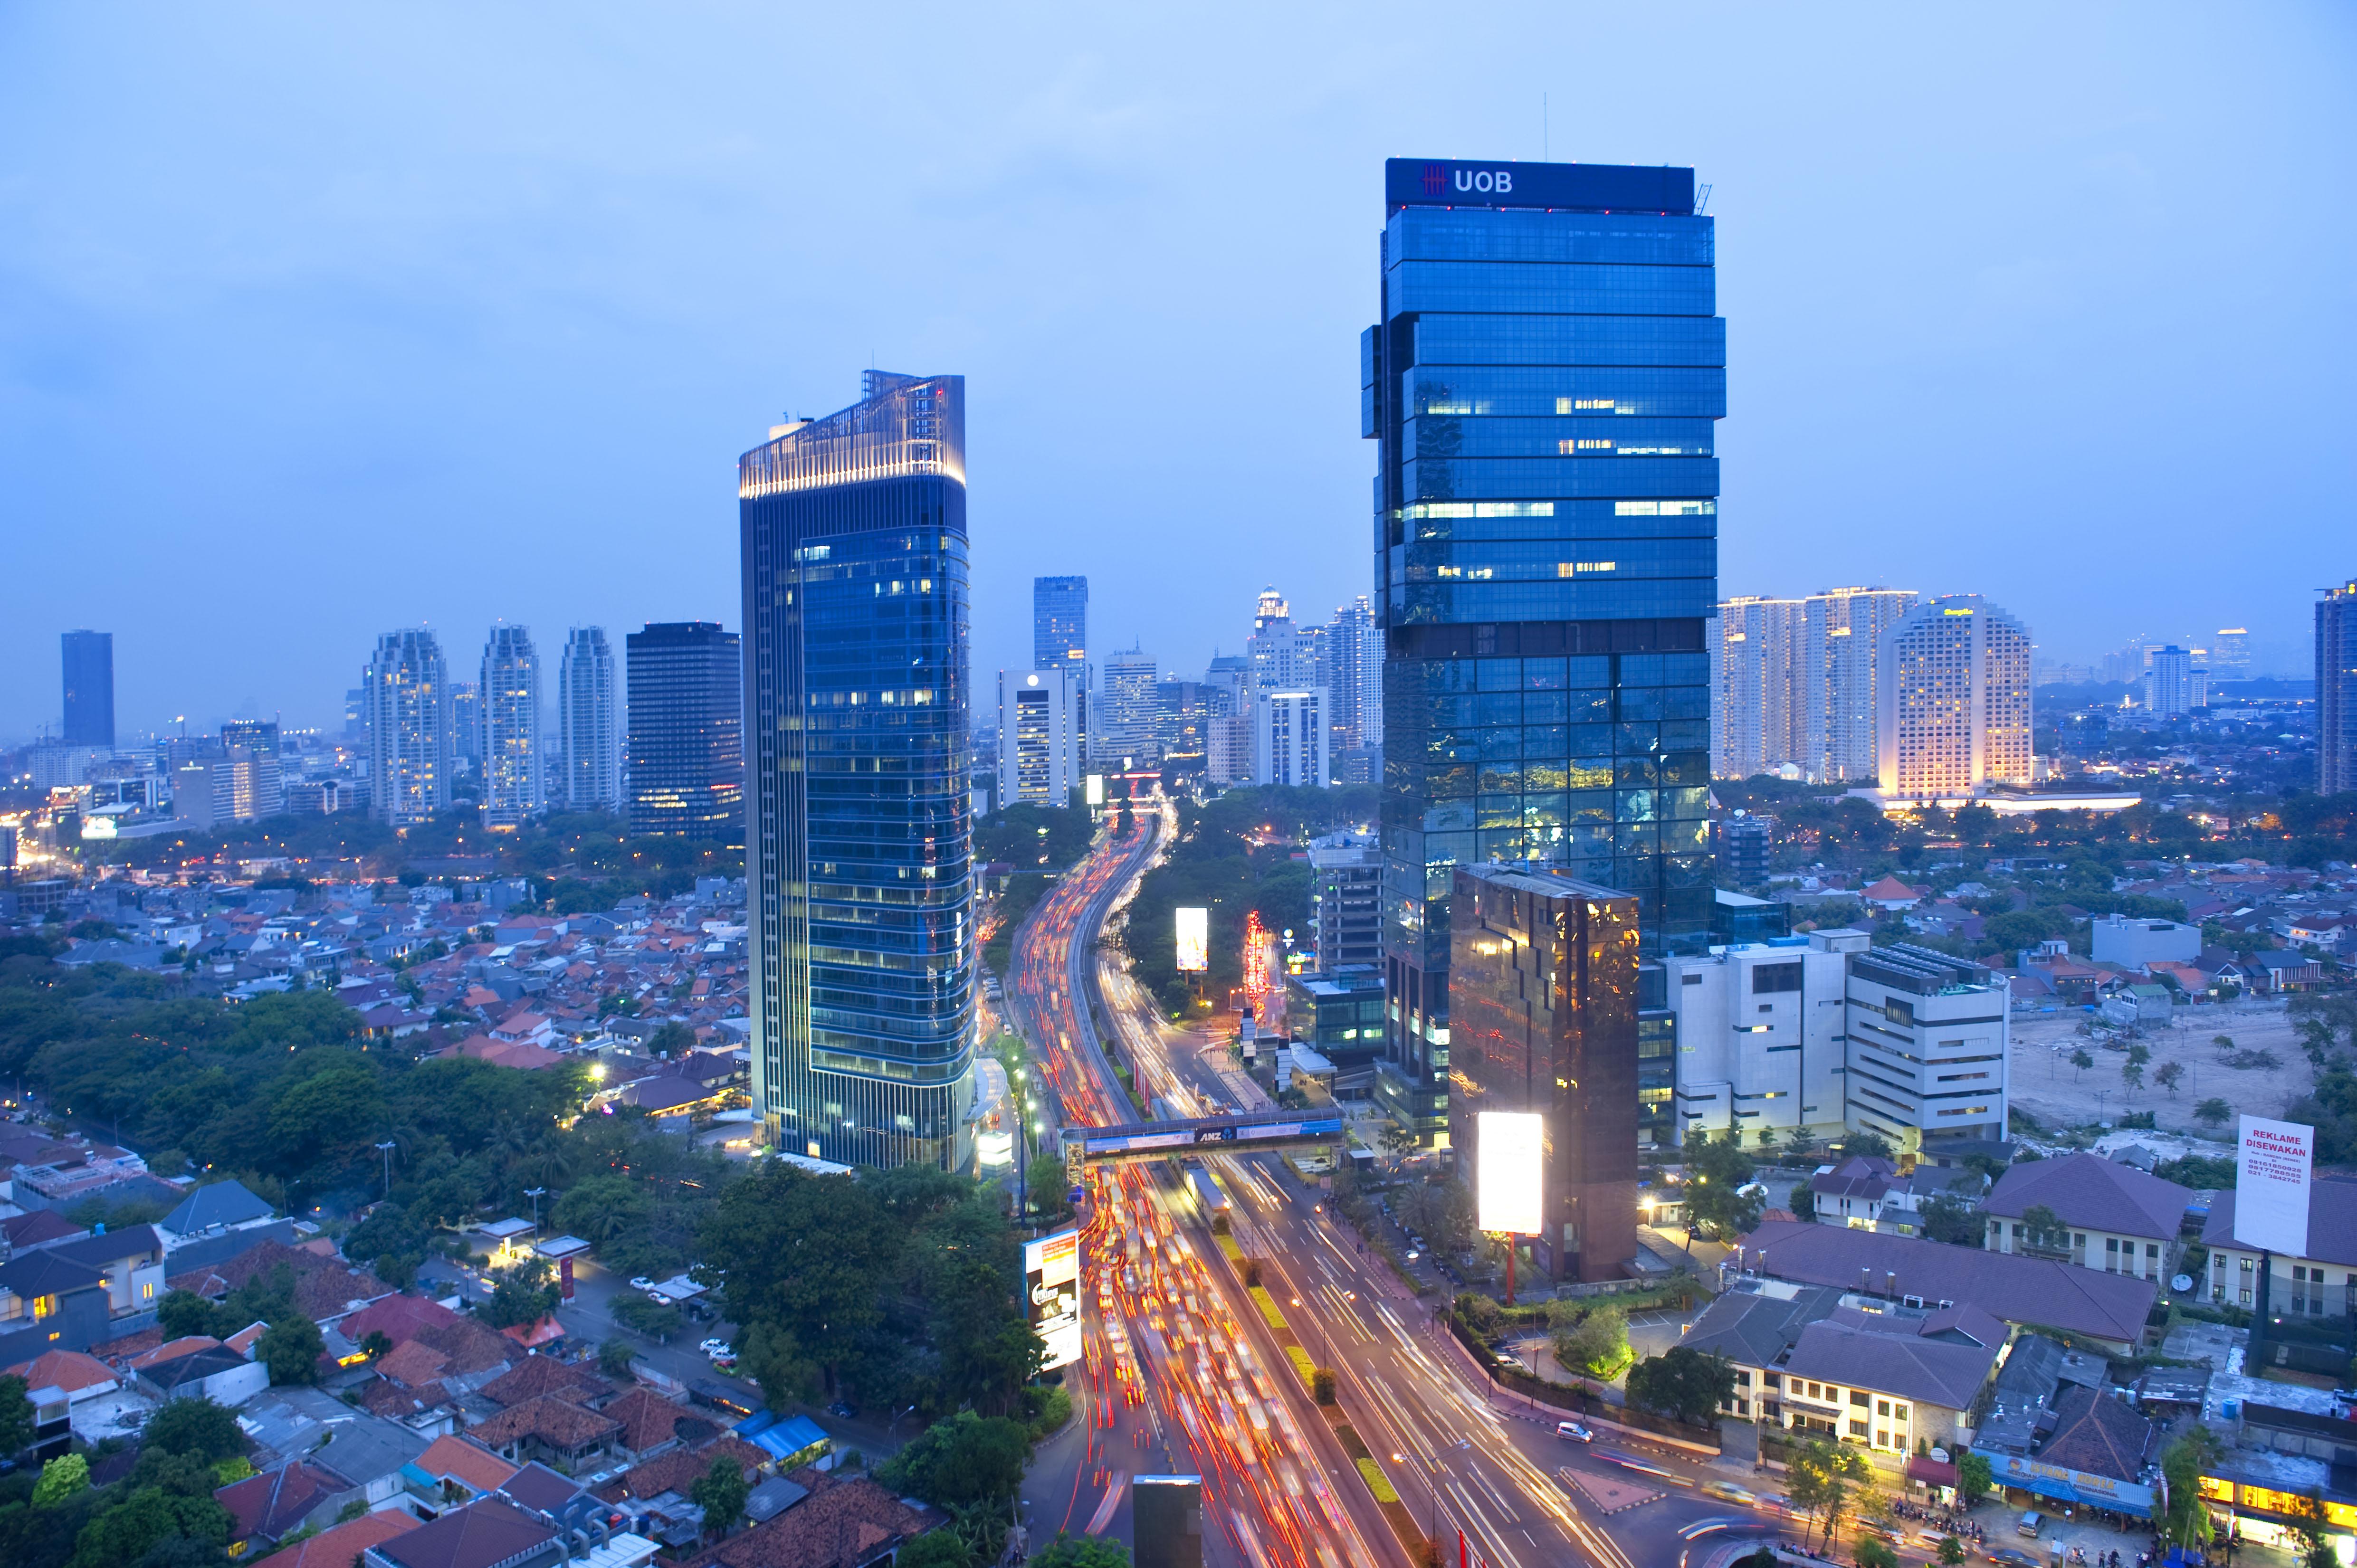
1059	621
1543	386
857	685
88	658
686	747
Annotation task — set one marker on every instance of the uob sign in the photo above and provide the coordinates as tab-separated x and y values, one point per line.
1438	178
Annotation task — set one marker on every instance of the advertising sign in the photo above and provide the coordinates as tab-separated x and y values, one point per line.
1194	940
1096	789
2271	1184
1508	1171
1051	1279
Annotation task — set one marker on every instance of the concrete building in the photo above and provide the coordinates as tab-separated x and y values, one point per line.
2321	1281
2117	938
1841	640
1127	709
1340	1014
1760	1036
1955	701
686	728
2168	684
1281	658
1228	756
1354	674
590	723
1038	736
1928	1038
2336	690
1346	889
510	753
1739	846
1290	738
1545	998
87	660
411	744
1760	715
2116	1219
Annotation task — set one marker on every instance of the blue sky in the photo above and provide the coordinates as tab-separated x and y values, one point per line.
316	321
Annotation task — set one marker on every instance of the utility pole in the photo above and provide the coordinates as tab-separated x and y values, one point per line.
386	1149
535	1194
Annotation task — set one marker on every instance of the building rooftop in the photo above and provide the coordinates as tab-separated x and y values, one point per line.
2088	1190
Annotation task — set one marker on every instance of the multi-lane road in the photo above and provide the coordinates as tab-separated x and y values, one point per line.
1181	1373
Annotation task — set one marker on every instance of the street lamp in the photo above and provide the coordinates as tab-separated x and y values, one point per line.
386	1149
535	1194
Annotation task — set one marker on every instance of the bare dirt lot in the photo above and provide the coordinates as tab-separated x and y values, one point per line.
2045	1085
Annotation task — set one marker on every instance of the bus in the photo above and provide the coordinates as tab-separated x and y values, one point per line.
1207	1191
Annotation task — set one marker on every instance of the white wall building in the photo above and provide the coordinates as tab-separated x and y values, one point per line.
1227	749
1954	700
1760	1036
406	699
1038	736
1760	712
1127	706
511	697
1928	1038
590	723
1842	637
2116	938
1291	743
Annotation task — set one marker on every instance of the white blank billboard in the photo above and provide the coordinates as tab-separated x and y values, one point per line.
2271	1184
1508	1184
1194	939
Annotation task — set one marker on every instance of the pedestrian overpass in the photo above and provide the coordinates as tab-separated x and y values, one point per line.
1249	1133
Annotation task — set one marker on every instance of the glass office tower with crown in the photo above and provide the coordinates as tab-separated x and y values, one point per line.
856	696
1542	387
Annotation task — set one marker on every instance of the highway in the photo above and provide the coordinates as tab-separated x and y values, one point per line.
1182	1372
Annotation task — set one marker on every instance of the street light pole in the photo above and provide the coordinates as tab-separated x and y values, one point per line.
386	1149
535	1194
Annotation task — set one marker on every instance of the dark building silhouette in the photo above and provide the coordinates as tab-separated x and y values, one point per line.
89	662
686	681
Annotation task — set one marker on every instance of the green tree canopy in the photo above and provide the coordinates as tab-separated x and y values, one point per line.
720	1492
1683	1385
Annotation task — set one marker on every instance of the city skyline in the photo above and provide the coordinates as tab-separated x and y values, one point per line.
2050	236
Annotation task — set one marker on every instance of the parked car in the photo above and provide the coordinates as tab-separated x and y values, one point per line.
658	1298
2030	1524
717	1348
640	1282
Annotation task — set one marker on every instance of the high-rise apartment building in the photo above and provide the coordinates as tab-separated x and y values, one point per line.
1038	736
1281	658
87	658
510	695
256	777
588	724
1841	640
1954	699
1354	676
410	740
1542	998
1127	710
1544	384
1227	749
859	851
1346	894
1182	713
2336	690
467	724
2169	682
687	727
2230	653
1289	740
1760	714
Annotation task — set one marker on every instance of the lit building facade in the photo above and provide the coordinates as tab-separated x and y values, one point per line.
1039	736
1841	639
2336	690
411	748
2230	653
1543	976
2169	682
686	728
1543	385
1060	624
1760	714
1955	701
1290	740
511	696
87	660
1127	709
1354	682
860	844
590	723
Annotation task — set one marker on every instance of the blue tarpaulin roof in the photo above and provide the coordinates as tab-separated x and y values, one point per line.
793	1435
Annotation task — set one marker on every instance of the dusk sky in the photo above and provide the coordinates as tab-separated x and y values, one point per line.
319	321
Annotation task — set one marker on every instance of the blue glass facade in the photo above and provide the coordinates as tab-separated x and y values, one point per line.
1543	387
859	852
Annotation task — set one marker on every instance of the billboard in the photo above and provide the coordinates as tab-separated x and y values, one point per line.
1507	1175
1096	789
1051	1282
2271	1184
1194	940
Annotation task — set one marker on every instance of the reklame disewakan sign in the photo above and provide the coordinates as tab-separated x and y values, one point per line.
2271	1184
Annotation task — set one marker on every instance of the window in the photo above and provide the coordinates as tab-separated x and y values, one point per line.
1881	1438
1882	1407
1771	978
1859	1398
1857	1429
1899	1413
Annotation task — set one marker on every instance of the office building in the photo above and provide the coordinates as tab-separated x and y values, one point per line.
686	751
1760	1036
1290	740
1038	736
1544	386
2230	653
1354	681
1338	1014
1281	658
1060	624
1760	715
1542	998
1127	710
410	740
238	783
511	698
588	724
87	658
1955	701
1739	846
1228	757
1841	640
859	849
2336	690
1928	1039
1346	894
256	779
1182	711
2169	682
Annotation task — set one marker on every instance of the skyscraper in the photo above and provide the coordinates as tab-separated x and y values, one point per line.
88	660
1955	699
2230	654
410	743
1060	622
1759	717
1126	709
2169	682
1280	658
1289	740
1354	679
2336	690
1543	383
511	697
859	841
1038	736
1841	641
590	728
466	705
686	757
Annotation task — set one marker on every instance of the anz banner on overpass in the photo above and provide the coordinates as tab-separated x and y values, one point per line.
1215	1137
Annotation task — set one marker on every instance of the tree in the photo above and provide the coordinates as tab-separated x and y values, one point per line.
2042	1230
2214	1112
1597	1346
640	1316
145	1520
936	1549
806	1256
1080	1551
376	1345
965	1461
526	1293
1682	1384
1819	1480
182	1313
1717	1172
1043	1181
672	1036
193	1426
1953	1220
1799	1145
1321	1385
1871	1144
15	1415
2183	1462
1804	1201
1951	1551
720	1492
1873	1551
602	1209
614	1359
62	1477
1974	1477
2079	1062
291	1348
2169	1075
2132	1072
